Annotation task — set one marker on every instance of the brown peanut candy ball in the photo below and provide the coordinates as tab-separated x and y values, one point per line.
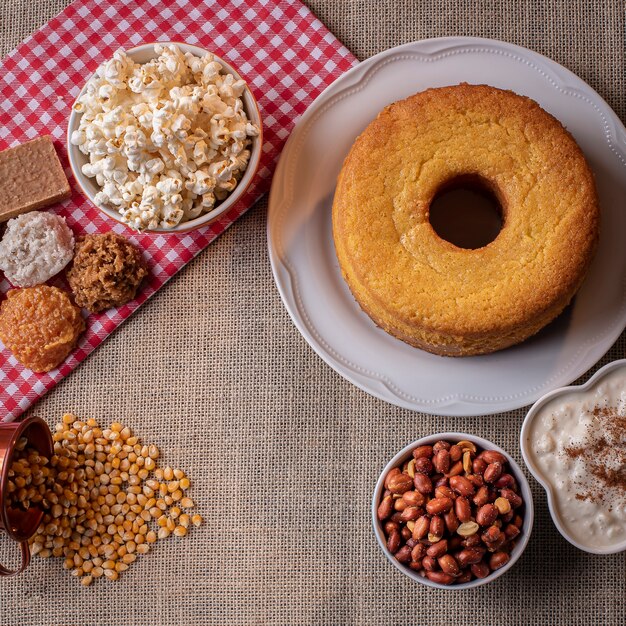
106	272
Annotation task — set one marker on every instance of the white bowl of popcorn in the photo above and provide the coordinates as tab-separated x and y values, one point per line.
164	137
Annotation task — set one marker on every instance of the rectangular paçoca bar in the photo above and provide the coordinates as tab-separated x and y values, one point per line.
31	177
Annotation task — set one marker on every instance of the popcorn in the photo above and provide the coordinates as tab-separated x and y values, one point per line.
166	140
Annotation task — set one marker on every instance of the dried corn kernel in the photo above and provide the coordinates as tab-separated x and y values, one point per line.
101	493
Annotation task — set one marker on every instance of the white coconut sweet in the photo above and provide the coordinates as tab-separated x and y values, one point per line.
35	247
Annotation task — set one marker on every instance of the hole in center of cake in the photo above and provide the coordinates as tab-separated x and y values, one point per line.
466	213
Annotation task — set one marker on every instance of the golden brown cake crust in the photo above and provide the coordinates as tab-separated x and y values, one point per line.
423	289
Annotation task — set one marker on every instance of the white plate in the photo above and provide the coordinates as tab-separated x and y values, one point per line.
307	272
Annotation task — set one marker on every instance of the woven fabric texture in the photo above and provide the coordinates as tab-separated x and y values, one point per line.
283	452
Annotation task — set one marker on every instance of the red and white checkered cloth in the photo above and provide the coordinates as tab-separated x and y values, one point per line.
283	51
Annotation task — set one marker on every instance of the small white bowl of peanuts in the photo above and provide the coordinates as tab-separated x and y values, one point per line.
452	511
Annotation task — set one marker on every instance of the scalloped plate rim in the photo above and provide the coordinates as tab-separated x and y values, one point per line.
452	404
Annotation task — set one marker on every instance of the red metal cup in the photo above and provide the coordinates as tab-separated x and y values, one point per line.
17	523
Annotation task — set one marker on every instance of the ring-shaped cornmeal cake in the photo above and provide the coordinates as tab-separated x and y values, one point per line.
425	290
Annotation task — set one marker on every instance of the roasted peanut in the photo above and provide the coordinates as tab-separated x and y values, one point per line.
441	445
462	486
392	472
492	539
430	564
498	560
503	505
421	528
492	456
413	498
418	552
473	541
465	576
423	484
467	461
455	543
511	531
423	465
410	468
437	506
512	497
437	527
492	472
455	453
506	480
403	554
480	569
467	445
399	505
486	515
482	496
390	526
438	549
443	491
440	481
441	461
393	542
455	470
491	535
467	529
440	577
451	521
411	513
448	564
385	508
479	466
423	451
476	479
463	509
468	556
399	483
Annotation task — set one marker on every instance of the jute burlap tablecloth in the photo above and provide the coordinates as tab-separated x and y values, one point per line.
283	452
